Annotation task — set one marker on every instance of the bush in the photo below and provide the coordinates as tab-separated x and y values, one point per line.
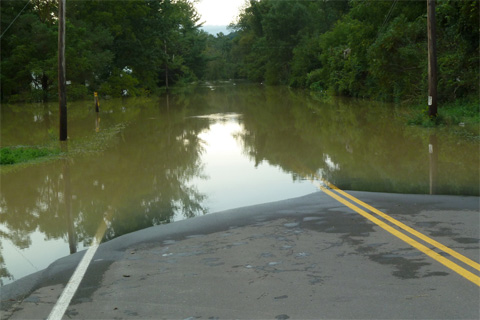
421	118
77	91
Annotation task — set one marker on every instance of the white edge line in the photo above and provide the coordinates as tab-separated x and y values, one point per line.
64	301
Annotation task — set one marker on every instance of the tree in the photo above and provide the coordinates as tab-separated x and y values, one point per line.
360	48
277	40
218	56
117	46
28	56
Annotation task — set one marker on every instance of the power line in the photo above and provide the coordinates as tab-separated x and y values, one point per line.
389	13
15	19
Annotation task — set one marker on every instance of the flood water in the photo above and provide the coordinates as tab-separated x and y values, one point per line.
147	161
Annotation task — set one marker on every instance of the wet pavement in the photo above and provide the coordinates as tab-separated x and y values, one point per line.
304	258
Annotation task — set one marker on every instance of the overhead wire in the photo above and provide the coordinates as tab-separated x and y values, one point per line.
14	19
389	13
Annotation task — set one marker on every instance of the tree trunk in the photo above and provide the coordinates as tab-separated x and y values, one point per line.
45	87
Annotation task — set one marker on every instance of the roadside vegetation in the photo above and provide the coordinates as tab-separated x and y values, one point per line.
464	112
117	48
365	49
356	48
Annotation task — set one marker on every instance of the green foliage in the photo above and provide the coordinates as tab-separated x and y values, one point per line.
77	92
458	44
14	155
218	54
398	64
463	111
359	48
124	47
120	83
462	116
276	41
421	118
28	55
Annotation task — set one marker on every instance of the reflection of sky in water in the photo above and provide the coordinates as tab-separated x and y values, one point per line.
155	166
36	257
229	180
232	179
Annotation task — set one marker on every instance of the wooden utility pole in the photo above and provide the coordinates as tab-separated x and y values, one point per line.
433	155
62	95
432	59
166	65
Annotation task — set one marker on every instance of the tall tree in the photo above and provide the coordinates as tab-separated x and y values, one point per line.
361	48
28	55
114	47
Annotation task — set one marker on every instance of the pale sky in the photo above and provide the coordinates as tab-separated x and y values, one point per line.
218	12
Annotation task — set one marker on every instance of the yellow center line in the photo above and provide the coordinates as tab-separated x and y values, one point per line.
414	232
449	264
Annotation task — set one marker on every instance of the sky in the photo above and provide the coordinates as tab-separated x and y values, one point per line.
218	12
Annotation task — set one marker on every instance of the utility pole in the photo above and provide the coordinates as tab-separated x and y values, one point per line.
432	59
62	95
166	65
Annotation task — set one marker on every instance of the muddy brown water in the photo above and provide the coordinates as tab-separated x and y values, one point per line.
146	161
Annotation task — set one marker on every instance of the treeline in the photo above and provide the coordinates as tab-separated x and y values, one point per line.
359	48
126	47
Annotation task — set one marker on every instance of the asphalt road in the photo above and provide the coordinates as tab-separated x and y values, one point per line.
305	258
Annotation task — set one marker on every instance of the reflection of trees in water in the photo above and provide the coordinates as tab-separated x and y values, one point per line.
143	181
157	185
273	133
22	215
4	274
355	144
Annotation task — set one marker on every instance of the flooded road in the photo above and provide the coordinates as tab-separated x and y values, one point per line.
149	161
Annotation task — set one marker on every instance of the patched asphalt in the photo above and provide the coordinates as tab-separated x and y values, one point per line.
303	258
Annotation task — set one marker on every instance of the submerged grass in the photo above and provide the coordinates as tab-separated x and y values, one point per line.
96	143
461	116
22	154
17	157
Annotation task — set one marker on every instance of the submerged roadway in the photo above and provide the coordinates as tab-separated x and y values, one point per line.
328	255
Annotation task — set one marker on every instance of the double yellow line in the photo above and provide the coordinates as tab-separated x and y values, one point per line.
414	243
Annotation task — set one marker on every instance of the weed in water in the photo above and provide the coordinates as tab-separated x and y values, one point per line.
14	155
460	112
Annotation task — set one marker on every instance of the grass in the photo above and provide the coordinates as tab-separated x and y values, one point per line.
462	111
22	154
15	157
462	115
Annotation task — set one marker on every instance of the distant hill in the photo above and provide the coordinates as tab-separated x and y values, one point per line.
215	29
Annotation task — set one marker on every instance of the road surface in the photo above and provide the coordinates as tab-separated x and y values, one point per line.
313	257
